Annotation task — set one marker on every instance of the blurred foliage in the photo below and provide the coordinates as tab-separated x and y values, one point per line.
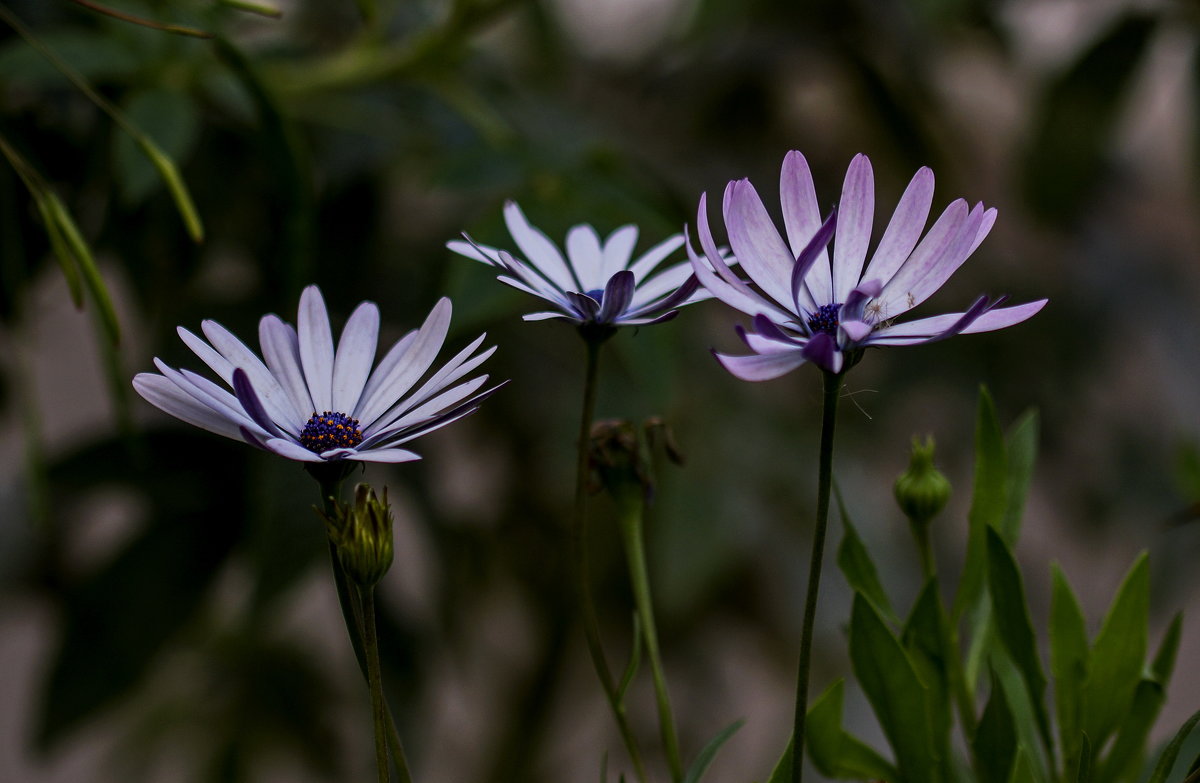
344	142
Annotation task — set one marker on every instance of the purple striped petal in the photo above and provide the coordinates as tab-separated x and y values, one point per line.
757	244
855	213
938	245
904	229
821	350
802	219
812	251
618	293
761	367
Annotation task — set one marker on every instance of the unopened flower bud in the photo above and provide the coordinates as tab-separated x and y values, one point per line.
922	490
362	535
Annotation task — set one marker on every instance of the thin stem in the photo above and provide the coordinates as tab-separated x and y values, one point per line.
352	615
587	609
924	541
375	681
639	580
832	387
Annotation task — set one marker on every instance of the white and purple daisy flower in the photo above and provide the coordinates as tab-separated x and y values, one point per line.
809	308
598	283
312	403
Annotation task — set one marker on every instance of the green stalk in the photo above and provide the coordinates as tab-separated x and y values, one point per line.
925	549
832	387
635	554
587	608
352	615
375	682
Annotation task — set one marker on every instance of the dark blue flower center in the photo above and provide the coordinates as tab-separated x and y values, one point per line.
825	319
596	293
330	430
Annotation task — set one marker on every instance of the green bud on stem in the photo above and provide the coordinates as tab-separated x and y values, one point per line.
362	534
922	490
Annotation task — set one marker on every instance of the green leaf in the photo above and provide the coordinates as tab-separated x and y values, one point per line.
856	564
1013	626
1069	665
1117	656
1023	769
1077	116
1124	759
1021	451
994	745
926	638
1164	660
834	752
82	253
988	504
1167	760
898	697
1085	762
709	751
167	116
61	249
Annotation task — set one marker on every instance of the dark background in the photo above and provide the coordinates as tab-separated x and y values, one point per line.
166	612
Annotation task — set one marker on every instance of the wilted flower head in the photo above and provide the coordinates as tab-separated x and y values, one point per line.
598	283
312	403
809	307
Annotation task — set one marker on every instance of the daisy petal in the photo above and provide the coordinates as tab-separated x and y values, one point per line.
355	355
538	249
385	455
251	402
855	213
393	378
316	347
822	351
617	295
281	349
291	450
618	250
169	398
655	256
938	245
761	367
904	229
587	257
274	400
802	219
756	242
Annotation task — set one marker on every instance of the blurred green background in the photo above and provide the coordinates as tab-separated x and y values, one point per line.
166	612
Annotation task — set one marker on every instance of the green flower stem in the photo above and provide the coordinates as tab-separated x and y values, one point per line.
352	614
925	549
633	512
832	388
375	681
587	609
